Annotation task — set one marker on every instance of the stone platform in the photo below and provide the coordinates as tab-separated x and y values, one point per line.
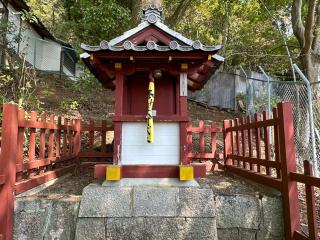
150	212
220	207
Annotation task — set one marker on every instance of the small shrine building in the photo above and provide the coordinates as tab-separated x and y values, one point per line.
151	68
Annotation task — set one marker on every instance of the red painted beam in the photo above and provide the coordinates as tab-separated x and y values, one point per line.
199	78
154	56
95	154
301	178
150	171
41	179
142	118
256	177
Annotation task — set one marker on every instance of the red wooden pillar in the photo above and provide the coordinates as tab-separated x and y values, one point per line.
20	143
77	139
227	142
58	139
288	165
183	100
183	144
118	112
8	168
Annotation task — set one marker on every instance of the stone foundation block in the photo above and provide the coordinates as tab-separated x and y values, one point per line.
98	201
161	228
196	203
45	219
90	229
155	202
272	218
238	212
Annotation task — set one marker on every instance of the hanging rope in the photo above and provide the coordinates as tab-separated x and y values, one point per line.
150	127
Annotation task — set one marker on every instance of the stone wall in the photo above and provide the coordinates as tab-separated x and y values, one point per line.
176	213
43	218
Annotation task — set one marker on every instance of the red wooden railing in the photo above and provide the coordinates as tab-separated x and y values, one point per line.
199	139
247	152
310	182
35	150
52	150
96	135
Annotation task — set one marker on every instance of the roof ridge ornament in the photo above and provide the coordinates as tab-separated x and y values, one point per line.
152	14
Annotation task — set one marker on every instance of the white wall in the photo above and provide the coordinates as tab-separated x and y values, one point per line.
15	21
44	53
164	150
29	37
48	55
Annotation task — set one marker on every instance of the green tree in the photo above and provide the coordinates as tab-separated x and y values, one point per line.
92	21
248	32
306	28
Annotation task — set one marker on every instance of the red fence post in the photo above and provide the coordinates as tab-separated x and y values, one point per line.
8	168
311	205
77	139
288	165
227	142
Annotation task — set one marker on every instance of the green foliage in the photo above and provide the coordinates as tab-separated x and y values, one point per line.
247	29
69	104
87	84
260	101
18	79
92	22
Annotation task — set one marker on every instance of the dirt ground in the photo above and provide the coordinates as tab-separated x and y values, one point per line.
219	182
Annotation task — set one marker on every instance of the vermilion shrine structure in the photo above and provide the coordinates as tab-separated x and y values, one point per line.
153	52
125	65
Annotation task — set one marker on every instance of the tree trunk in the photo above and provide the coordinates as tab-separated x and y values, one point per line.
179	12
137	6
3	36
306	29
311	65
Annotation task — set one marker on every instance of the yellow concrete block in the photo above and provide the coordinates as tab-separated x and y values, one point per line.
113	173
186	173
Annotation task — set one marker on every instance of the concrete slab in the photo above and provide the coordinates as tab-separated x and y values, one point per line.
151	182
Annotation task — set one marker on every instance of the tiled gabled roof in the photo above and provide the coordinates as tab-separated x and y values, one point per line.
152	16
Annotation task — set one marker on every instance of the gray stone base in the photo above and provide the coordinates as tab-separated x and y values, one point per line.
150	182
46	219
176	213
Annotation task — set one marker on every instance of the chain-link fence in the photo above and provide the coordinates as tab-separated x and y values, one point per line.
263	95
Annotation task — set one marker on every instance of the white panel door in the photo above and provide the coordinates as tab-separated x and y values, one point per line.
164	151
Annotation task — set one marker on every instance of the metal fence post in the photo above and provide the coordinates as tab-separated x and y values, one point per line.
35	54
249	96
311	121
269	90
269	99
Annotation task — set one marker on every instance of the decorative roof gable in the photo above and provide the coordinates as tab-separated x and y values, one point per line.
152	44
152	18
